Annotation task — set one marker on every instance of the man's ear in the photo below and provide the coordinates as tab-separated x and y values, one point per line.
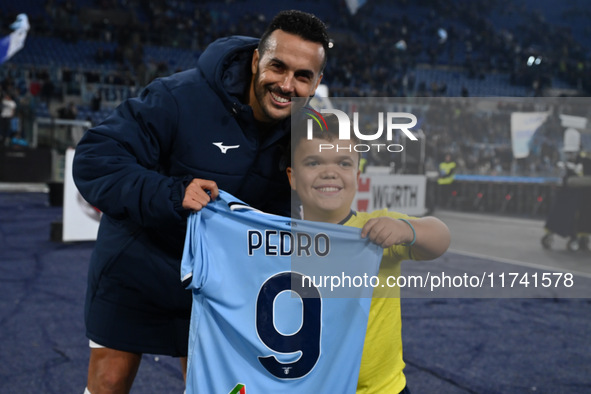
291	178
254	65
317	83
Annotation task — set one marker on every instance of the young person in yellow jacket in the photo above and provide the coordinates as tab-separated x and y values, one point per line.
326	183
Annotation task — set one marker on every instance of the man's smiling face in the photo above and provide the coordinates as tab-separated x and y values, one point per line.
289	67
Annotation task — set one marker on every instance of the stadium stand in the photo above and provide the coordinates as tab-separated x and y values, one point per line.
96	53
110	49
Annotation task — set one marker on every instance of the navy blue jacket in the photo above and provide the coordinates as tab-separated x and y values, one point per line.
135	165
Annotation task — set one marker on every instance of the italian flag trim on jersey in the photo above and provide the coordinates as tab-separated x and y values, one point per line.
238	389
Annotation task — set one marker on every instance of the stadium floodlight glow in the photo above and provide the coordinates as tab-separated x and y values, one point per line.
534	60
442	33
530	61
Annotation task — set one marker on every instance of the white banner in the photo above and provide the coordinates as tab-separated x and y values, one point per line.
523	127
400	193
80	219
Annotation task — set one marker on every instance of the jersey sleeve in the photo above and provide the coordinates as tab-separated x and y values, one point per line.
195	257
197	261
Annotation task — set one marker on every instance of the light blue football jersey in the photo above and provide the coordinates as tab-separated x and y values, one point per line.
258	325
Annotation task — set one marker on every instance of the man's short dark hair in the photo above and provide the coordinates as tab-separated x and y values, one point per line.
302	24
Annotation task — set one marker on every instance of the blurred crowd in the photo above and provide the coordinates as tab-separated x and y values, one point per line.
376	53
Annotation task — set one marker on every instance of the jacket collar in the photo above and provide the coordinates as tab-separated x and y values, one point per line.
225	64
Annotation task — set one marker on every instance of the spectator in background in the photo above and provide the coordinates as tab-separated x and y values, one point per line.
26	113
47	90
6	114
96	100
447	171
35	87
68	112
584	160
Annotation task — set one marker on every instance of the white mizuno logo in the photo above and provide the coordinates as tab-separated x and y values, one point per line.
224	148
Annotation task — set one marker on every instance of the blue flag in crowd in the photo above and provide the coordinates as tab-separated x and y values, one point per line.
15	41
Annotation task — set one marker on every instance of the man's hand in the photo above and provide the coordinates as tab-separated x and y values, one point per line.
196	196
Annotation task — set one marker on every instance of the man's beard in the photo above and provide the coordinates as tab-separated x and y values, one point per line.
261	90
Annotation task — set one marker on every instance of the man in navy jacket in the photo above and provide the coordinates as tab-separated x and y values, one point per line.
164	154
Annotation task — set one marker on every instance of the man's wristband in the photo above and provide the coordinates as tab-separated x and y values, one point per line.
414	233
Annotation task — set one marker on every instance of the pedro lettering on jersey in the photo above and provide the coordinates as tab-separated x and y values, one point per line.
253	330
286	243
